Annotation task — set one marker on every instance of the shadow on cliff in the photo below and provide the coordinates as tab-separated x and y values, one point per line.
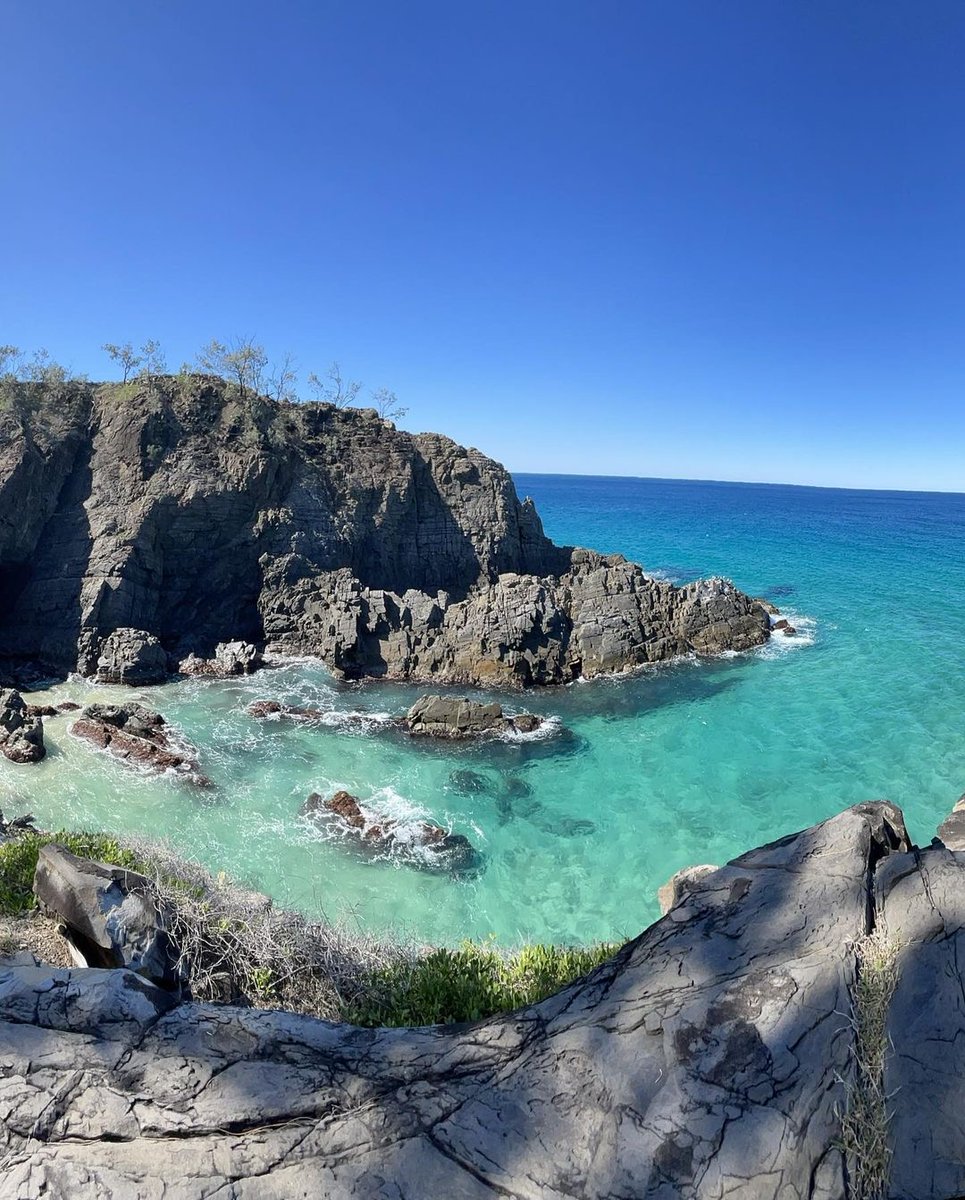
41	599
707	1053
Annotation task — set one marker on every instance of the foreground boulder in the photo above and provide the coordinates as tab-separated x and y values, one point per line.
131	656
110	915
711	1057
230	658
21	731
448	717
420	844
139	737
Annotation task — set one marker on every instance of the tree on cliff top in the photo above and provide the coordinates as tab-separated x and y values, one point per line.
242	361
332	388
387	405
149	361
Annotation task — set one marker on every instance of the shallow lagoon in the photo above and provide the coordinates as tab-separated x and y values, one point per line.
694	762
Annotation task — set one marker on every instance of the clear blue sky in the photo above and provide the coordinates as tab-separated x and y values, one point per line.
695	239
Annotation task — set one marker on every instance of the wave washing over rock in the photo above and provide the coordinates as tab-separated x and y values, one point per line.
193	516
735	1048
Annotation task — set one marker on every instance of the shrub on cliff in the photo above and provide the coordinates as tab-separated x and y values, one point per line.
237	947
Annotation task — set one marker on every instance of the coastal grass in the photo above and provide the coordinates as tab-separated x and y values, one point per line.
865	1121
235	946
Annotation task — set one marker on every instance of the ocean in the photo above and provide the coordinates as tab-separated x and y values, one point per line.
694	762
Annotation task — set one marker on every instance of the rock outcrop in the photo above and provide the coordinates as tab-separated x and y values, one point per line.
230	658
131	656
21	731
110	915
460	719
712	1056
145	524
419	844
139	737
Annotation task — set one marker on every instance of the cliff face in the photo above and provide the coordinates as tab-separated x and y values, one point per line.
200	516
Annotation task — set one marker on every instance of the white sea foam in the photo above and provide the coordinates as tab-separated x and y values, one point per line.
778	645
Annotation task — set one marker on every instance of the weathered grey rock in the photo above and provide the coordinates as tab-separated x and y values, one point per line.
420	844
198	517
679	886
110	914
704	1060
921	901
952	830
230	658
458	719
21	731
131	656
139	737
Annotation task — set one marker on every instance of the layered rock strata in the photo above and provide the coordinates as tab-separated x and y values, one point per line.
712	1056
141	525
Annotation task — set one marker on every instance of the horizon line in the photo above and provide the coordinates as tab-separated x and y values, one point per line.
814	487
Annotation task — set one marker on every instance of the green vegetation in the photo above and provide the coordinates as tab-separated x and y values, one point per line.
474	981
236	945
18	861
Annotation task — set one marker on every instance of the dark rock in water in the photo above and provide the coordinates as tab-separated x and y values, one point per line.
782	589
573	827
131	656
66	706
471	783
515	788
785	627
111	914
230	658
449	717
218	517
709	1057
42	710
140	737
271	708
423	845
21	731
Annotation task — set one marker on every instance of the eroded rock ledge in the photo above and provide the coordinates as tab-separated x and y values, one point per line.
710	1057
147	526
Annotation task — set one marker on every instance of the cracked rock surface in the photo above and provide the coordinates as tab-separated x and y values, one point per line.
705	1059
142	526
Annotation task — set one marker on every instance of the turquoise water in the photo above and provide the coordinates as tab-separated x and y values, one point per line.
690	763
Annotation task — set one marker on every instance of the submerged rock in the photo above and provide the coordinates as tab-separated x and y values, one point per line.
140	737
420	844
471	783
21	731
448	717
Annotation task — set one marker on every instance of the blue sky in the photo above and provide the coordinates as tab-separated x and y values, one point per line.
688	239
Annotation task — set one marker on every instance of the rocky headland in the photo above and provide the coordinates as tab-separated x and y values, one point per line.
791	1028
151	525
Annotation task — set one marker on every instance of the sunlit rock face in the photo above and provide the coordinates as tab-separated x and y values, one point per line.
186	516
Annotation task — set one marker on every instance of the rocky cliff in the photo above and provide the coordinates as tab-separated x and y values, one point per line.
198	515
739	1047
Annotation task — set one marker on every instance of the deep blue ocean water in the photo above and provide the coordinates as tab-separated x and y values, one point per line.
695	762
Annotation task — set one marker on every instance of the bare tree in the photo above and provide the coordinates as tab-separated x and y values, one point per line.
43	369
281	381
153	363
387	405
242	361
10	360
332	388
125	356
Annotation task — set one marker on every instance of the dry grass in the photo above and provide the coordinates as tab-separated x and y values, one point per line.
864	1124
234	944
